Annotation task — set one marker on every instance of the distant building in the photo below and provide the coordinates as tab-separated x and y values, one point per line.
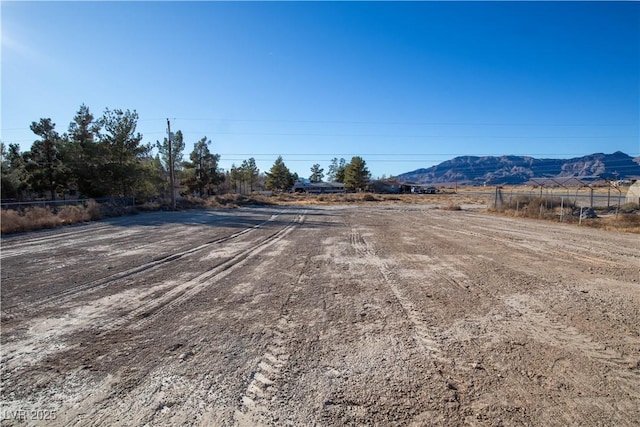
319	187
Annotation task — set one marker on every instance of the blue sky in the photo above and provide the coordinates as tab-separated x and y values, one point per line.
404	85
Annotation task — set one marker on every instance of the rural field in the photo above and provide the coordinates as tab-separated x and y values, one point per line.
363	314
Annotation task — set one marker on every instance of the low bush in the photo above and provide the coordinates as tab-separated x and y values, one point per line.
533	207
628	220
93	210
73	214
452	207
629	223
12	222
36	218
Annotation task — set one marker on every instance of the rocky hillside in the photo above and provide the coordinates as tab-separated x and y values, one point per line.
520	169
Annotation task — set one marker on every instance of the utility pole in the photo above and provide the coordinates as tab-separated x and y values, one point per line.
456	175
171	177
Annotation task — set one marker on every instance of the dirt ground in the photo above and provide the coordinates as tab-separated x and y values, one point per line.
321	315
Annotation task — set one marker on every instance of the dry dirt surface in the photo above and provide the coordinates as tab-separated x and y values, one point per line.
334	315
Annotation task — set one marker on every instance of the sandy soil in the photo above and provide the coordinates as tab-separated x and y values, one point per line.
326	315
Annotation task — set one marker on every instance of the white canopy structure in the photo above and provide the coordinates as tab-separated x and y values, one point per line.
633	194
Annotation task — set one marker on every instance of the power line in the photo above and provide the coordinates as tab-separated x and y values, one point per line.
370	135
377	122
222	119
408	154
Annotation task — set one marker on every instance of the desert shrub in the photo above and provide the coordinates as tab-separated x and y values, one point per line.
94	210
369	198
150	206
38	217
116	207
12	222
189	202
452	207
221	200
534	207
629	223
73	214
628	207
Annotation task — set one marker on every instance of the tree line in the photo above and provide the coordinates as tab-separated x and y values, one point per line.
354	175
105	156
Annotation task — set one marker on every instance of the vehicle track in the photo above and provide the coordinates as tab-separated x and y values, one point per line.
54	299
535	323
264	378
424	334
56	241
525	247
521	239
253	408
16	241
339	316
145	313
149	310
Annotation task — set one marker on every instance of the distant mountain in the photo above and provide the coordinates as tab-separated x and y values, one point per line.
520	169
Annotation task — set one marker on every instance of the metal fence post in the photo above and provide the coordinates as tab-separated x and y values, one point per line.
580	220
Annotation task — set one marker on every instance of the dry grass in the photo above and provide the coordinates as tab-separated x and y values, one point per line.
93	210
33	218
451	207
37	218
73	214
624	222
324	199
225	201
12	222
549	209
237	200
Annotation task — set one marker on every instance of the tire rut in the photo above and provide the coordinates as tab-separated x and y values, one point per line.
145	313
424	333
255	402
54	299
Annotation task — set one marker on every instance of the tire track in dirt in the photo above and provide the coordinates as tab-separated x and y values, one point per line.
16	242
54	299
424	329
263	381
523	238
60	242
527	249
423	332
36	345
533	321
560	336
181	293
254	405
265	372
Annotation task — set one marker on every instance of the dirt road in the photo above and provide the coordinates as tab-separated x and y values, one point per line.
334	315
